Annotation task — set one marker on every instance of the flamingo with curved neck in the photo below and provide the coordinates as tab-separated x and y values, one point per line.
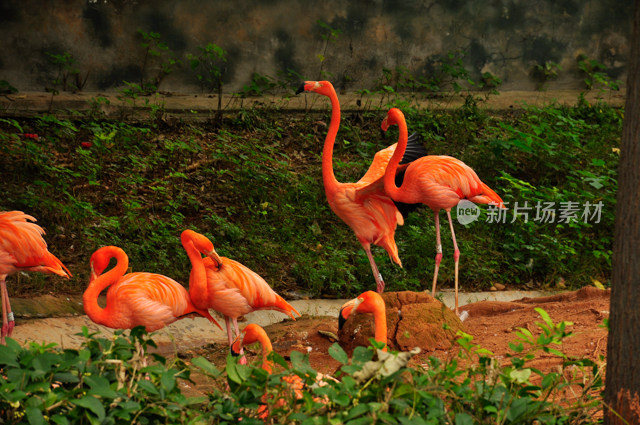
368	302
227	286
135	299
363	206
439	182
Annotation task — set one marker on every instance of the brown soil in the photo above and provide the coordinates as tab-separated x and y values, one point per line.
492	324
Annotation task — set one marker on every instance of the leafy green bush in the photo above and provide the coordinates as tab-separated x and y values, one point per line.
106	381
109	381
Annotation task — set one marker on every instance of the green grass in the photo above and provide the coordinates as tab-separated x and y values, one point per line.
253	186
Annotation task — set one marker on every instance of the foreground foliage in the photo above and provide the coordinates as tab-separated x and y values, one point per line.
253	185
106	382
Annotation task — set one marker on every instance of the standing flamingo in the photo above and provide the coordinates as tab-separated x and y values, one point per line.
135	299
22	248
363	206
368	302
226	285
439	182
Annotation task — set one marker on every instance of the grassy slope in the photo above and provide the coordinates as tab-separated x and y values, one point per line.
253	185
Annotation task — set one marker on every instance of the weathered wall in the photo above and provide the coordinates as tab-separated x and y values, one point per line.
505	37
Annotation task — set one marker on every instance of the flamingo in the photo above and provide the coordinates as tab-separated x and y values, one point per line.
439	182
255	333
363	206
368	302
135	299
227	286
22	247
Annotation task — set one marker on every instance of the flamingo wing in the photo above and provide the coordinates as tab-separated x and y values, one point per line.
376	170
148	299
225	290
254	289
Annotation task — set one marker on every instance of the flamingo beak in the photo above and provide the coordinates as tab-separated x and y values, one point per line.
356	304
385	124
215	257
93	274
301	88
237	344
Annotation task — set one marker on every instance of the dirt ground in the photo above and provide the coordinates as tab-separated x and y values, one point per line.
492	324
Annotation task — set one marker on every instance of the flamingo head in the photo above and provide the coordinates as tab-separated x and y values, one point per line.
250	334
367	302
100	261
202	244
394	116
321	87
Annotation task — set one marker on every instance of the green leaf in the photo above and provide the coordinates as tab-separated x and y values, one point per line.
147	386
206	366
60	419
34	416
520	376
464	419
168	380
8	357
91	403
338	353
358	410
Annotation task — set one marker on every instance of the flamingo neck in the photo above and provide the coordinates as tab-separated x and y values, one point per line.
390	174
90	297
328	177
198	275
266	349
380	322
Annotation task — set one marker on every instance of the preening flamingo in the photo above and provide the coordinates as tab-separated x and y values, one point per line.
368	302
439	182
22	248
227	286
363	206
255	333
135	299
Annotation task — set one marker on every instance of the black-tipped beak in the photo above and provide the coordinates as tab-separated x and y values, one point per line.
233	353
300	89
341	320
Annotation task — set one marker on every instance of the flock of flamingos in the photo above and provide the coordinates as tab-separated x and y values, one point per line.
369	207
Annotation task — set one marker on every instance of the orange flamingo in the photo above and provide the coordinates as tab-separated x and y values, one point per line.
22	248
227	286
368	302
135	299
255	333
363	206
439	182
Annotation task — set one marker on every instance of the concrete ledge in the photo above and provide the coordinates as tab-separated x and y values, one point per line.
204	106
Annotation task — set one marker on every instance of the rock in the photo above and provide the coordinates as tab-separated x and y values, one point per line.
499	286
414	319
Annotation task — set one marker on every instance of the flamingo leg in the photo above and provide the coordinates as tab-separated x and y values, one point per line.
438	252
7	305
456	257
242	359
374	268
5	325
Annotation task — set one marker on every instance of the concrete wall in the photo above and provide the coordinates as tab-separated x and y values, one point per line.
504	37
